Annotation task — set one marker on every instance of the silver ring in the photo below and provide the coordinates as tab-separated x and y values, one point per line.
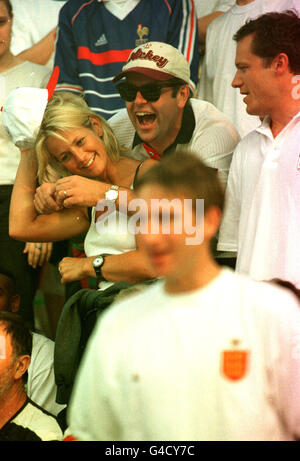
65	194
59	270
38	246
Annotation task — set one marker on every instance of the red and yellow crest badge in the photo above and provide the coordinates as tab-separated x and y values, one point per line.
235	361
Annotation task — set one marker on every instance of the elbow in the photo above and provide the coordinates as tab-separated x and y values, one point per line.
16	233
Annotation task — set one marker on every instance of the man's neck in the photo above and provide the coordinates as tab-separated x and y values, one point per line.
195	280
280	119
162	145
11	402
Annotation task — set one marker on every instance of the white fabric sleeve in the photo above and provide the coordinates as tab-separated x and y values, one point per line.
224	5
203	8
228	234
22	27
41	387
90	415
122	128
214	138
284	368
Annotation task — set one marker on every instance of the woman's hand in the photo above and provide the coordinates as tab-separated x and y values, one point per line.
38	253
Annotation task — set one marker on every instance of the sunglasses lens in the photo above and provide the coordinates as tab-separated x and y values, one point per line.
150	92
127	92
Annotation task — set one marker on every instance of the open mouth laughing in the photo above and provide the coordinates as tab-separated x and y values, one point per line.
145	119
88	164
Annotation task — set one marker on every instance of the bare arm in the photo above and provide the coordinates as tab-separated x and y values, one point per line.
80	191
41	51
25	224
131	267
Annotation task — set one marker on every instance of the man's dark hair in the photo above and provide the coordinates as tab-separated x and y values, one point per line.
176	84
185	173
10	280
274	33
20	334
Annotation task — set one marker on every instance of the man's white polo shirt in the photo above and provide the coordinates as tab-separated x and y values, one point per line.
262	215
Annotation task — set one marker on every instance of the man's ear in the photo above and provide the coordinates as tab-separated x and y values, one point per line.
97	126
21	366
182	96
281	63
212	220
15	303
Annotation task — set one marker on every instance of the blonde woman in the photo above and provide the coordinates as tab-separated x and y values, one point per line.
75	143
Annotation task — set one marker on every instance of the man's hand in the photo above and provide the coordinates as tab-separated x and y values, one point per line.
78	190
45	199
67	192
72	269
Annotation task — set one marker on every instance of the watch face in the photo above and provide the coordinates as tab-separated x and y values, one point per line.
111	194
98	261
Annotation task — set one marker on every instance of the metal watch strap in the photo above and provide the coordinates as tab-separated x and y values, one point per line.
112	193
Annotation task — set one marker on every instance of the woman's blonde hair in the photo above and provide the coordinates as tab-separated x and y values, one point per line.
66	111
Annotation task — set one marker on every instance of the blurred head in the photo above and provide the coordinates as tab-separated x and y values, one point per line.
266	58
6	16
9	299
68	118
15	351
191	200
183	173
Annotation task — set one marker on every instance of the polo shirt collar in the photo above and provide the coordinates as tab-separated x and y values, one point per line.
265	128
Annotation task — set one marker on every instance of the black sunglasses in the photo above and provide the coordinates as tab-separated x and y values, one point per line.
151	92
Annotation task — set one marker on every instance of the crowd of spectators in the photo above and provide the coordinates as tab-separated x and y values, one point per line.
178	101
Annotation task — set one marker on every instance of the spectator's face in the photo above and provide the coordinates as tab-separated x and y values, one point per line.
5	29
6	362
166	236
82	153
157	123
254	80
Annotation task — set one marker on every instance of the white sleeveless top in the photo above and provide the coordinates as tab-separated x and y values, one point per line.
109	235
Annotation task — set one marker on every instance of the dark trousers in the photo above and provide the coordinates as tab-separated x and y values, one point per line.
14	261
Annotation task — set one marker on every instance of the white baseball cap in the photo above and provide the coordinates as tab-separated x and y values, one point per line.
23	111
157	60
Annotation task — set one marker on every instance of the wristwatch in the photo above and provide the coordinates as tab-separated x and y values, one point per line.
112	194
98	262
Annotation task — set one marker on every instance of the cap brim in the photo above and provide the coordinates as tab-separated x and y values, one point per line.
151	73
52	81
